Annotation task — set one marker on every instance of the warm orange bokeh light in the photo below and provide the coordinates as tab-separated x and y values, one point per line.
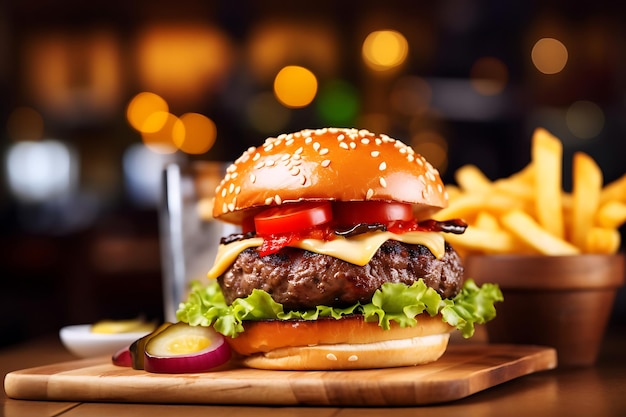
295	86
147	112
183	62
549	55
199	135
164	140
385	49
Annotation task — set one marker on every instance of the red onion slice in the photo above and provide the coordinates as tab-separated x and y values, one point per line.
122	357
181	349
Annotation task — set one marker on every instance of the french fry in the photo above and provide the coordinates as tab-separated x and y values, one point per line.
515	188
484	241
529	212
611	215
472	180
486	221
547	154
529	231
587	185
602	240
614	191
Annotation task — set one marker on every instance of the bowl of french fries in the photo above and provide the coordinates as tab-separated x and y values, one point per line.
556	255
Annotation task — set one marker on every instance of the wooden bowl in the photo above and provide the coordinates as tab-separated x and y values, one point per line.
560	301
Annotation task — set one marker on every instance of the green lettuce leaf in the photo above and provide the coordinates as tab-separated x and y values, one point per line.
205	306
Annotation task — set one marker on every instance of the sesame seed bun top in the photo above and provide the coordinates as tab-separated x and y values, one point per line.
330	164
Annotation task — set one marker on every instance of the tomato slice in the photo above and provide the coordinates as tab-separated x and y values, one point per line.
292	217
350	213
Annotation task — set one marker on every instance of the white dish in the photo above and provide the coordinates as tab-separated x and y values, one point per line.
80	341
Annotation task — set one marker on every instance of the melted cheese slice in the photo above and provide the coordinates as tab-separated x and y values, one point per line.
357	250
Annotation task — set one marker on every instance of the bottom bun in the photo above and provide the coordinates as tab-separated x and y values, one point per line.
347	343
386	354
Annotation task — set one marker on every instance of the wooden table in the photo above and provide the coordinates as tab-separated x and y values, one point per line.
594	391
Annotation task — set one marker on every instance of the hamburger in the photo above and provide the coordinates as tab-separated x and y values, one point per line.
338	264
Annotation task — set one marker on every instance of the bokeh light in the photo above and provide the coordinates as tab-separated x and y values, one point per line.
25	123
143	173
183	61
585	119
147	112
385	49
199	134
338	103
164	140
41	171
489	76
295	86
549	55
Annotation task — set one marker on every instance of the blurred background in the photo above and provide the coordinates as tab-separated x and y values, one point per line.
97	96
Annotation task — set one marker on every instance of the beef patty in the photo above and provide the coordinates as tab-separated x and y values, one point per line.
301	280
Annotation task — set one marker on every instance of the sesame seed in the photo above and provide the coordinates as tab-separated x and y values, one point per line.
237	190
278	200
299	151
231	188
325	163
382	166
252	178
294	171
341	137
259	165
269	200
256	156
370	194
344	145
383	182
224	207
316	146
285	157
375	154
365	141
302	180
308	140
269	162
331	357
323	151
289	142
353	358
352	145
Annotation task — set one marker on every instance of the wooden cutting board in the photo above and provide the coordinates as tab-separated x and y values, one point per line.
463	370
